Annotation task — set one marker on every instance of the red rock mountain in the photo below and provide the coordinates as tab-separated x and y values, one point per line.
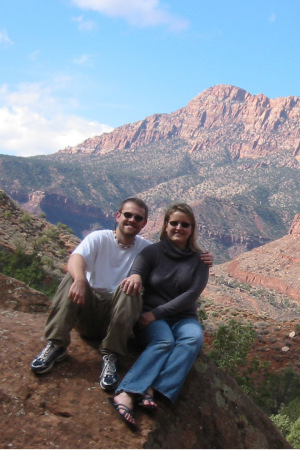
275	265
260	126
233	156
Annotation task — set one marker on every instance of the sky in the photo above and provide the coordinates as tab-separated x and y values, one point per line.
73	69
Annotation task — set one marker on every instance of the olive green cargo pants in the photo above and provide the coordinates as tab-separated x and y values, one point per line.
110	317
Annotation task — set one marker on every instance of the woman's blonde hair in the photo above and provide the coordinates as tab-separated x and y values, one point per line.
186	209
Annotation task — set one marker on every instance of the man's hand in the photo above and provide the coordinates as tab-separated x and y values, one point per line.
77	291
145	319
207	258
76	268
132	285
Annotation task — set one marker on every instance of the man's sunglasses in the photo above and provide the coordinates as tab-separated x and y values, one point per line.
129	215
174	223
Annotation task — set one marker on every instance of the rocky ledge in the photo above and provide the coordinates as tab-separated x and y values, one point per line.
66	408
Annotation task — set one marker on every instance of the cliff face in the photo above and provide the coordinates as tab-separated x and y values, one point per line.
18	228
295	227
274	265
250	126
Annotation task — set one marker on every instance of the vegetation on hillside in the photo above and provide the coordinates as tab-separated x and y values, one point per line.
29	268
240	203
276	393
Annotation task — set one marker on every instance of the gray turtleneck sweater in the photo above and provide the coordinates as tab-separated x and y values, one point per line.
173	280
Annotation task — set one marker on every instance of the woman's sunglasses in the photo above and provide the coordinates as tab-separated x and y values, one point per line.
174	223
129	215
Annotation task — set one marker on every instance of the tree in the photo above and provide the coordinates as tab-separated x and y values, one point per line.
278	389
231	345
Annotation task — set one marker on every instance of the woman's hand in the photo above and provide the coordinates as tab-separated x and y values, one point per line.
145	319
132	285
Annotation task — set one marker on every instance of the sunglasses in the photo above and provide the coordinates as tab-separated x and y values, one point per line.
129	215
174	223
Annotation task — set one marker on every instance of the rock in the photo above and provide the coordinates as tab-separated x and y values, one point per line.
213	412
285	349
218	114
295	227
292	334
274	265
66	408
16	295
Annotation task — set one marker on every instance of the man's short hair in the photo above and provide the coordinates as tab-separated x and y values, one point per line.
137	201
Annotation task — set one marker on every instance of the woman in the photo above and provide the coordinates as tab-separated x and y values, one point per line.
173	277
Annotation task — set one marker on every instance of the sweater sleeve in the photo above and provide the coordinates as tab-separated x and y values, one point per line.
187	299
144	262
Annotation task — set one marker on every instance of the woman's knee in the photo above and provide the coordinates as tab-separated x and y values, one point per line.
193	340
164	344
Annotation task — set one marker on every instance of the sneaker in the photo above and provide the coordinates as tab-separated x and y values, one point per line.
109	377
45	360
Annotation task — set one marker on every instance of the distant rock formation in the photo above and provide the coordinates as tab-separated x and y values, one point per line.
250	126
295	227
235	157
274	265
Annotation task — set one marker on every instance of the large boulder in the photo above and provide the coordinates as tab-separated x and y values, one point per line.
66	408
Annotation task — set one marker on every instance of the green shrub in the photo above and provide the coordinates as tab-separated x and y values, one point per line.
231	345
27	268
283	423
52	233
277	389
7	214
64	227
202	315
26	218
288	422
294	435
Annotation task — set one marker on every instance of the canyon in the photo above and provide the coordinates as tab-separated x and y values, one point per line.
233	156
67	406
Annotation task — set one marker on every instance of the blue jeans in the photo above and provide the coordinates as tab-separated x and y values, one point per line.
172	348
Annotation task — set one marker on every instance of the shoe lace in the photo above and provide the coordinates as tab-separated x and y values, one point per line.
109	367
49	347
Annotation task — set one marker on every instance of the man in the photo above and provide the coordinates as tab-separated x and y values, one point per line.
90	297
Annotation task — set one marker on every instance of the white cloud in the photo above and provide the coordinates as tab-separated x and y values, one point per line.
4	38
32	122
140	13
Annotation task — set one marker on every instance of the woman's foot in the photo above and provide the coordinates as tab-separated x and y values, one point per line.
123	404
147	400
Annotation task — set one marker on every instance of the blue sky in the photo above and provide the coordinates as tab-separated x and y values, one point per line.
72	69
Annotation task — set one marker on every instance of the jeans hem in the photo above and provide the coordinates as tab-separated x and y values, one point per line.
165	395
128	391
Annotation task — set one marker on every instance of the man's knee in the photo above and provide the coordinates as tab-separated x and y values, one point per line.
127	305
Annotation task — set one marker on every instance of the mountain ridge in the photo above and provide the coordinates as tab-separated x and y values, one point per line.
212	108
231	155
